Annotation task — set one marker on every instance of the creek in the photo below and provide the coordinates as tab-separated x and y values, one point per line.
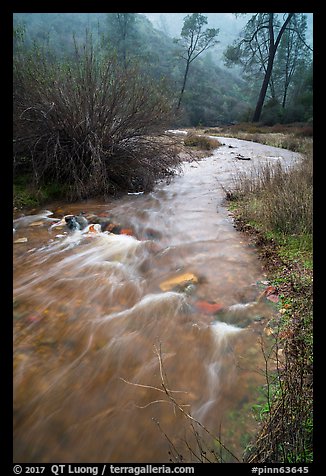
95	314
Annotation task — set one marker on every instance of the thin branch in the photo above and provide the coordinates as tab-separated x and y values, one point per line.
179	406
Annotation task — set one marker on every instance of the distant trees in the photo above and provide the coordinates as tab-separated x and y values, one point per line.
122	32
194	41
292	56
271	46
208	94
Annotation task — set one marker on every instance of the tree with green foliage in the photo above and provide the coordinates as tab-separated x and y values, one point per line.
194	41
293	55
122	32
257	49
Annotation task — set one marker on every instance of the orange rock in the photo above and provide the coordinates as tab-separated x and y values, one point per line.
208	307
181	280
126	231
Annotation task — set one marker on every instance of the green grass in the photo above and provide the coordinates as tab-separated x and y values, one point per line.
27	195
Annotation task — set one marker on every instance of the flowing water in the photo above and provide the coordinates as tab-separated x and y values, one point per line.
96	314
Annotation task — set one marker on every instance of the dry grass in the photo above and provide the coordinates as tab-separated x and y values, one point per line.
201	142
278	198
285	433
296	137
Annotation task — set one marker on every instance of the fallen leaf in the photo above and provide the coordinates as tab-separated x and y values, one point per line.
270	293
280	353
268	331
272	297
269	290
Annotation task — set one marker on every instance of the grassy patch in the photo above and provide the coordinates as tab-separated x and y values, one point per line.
201	142
27	195
277	199
22	198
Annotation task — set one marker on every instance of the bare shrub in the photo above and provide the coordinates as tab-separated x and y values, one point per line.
89	123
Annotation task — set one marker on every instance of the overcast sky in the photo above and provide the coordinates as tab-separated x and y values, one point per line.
230	26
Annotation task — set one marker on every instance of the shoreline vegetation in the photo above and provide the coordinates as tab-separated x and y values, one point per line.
275	210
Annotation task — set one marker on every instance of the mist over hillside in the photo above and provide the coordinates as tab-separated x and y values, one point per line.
229	25
214	93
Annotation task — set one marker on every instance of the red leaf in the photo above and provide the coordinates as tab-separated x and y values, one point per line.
272	297
271	294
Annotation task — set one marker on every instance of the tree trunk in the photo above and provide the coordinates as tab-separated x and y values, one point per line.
183	85
262	94
271	55
285	95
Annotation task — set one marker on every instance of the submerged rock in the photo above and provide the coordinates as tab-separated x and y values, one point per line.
76	222
208	307
182	281
21	240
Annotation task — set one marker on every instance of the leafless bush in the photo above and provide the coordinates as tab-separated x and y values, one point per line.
89	124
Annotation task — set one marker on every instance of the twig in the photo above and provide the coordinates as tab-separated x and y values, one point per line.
179	406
